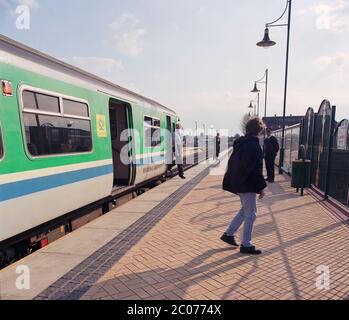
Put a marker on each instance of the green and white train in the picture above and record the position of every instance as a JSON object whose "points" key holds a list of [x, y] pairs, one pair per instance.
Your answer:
{"points": [[60, 141]]}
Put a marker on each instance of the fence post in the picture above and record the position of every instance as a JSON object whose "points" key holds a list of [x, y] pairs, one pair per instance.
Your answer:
{"points": [[329, 160], [300, 142], [312, 149]]}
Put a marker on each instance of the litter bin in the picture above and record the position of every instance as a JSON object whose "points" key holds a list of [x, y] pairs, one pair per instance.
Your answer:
{"points": [[301, 177]]}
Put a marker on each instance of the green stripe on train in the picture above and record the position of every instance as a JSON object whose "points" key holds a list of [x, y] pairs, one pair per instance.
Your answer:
{"points": [[16, 159]]}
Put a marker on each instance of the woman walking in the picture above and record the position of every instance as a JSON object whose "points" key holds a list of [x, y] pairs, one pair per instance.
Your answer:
{"points": [[244, 177]]}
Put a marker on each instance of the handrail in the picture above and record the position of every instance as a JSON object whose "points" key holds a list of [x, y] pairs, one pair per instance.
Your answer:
{"points": [[290, 127]]}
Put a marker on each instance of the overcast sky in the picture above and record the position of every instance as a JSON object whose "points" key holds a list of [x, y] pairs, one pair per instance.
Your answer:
{"points": [[198, 57]]}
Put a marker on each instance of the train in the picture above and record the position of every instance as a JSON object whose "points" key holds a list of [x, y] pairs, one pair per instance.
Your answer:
{"points": [[60, 144]]}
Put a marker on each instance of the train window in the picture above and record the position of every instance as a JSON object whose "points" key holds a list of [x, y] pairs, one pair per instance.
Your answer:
{"points": [[42, 102], [29, 101], [55, 133], [156, 137], [147, 137], [152, 132], [148, 121], [47, 103], [156, 133], [1, 146], [156, 123], [75, 108], [50, 135]]}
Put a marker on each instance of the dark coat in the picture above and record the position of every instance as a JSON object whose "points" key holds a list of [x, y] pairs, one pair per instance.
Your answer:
{"points": [[245, 167], [271, 147], [218, 145]]}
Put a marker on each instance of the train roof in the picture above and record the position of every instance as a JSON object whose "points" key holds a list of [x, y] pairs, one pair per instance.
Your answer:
{"points": [[15, 47]]}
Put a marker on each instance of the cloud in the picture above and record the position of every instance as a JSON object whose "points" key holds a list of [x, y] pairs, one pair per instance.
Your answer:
{"points": [[103, 67], [338, 61], [330, 15], [128, 35]]}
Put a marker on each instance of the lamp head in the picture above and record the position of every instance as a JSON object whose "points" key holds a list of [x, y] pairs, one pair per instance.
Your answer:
{"points": [[266, 42], [250, 106], [255, 89]]}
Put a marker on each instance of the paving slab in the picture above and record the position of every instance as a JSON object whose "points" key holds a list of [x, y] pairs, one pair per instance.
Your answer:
{"points": [[41, 266], [117, 221], [81, 242]]}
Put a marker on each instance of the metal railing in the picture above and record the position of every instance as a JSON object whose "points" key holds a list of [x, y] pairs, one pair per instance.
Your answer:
{"points": [[326, 146]]}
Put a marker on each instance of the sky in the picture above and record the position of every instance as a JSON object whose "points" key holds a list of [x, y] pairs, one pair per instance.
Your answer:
{"points": [[198, 57]]}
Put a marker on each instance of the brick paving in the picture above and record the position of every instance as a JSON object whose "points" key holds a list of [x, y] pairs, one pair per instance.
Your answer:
{"points": [[76, 282], [181, 256]]}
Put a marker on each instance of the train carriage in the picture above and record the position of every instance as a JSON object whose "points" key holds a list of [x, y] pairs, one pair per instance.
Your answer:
{"points": [[62, 136]]}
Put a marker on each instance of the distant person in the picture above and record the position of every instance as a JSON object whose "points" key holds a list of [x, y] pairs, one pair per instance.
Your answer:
{"points": [[178, 141], [217, 145], [244, 177], [271, 148]]}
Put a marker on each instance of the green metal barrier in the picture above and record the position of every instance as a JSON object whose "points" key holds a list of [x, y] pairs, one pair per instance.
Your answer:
{"points": [[301, 177]]}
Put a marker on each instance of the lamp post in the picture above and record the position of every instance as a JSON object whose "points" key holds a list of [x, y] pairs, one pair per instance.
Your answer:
{"points": [[266, 43], [251, 108], [264, 80], [255, 90]]}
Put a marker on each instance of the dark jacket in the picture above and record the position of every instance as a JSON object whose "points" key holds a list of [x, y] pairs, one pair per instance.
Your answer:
{"points": [[218, 144], [245, 167], [271, 147]]}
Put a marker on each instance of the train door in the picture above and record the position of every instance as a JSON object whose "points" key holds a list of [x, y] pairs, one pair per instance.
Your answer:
{"points": [[120, 123]]}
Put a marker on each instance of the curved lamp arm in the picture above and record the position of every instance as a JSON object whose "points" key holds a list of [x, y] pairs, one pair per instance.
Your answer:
{"points": [[264, 76], [272, 24]]}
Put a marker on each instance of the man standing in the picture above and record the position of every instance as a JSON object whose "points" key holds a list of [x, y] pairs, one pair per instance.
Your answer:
{"points": [[178, 140], [244, 177], [217, 146], [271, 148]]}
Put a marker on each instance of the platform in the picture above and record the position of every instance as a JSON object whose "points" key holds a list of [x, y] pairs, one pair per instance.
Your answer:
{"points": [[165, 245]]}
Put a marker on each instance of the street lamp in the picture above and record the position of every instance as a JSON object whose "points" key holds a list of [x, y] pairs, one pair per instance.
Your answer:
{"points": [[256, 90], [266, 43], [252, 109]]}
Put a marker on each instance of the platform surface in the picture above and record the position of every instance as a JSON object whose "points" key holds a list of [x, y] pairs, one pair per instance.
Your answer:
{"points": [[183, 258], [167, 246], [56, 263]]}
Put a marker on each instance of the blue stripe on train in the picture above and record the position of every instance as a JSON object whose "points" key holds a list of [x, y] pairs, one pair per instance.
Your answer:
{"points": [[26, 187]]}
